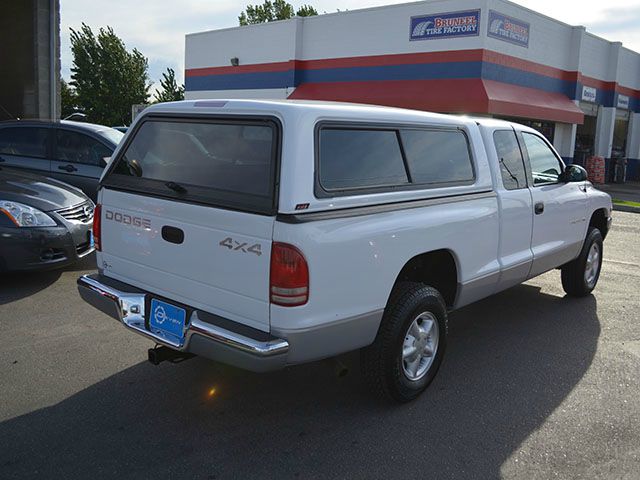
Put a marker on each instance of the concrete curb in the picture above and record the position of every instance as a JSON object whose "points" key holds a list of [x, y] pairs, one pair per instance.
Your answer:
{"points": [[626, 208]]}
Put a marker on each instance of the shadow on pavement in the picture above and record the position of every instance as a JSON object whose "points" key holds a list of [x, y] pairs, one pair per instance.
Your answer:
{"points": [[512, 359], [17, 285]]}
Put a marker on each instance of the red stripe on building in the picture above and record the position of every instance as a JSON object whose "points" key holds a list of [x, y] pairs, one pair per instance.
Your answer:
{"points": [[252, 68], [475, 55], [394, 59], [595, 83], [630, 92], [528, 66]]}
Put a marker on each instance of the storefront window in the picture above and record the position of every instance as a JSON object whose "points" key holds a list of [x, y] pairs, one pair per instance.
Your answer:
{"points": [[619, 145], [585, 140]]}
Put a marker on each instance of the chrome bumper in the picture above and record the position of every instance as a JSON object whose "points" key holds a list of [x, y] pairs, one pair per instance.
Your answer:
{"points": [[126, 304]]}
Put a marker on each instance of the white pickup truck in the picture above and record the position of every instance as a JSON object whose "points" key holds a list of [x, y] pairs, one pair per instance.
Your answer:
{"points": [[269, 233]]}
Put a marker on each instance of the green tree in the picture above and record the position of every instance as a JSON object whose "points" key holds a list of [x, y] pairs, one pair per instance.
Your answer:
{"points": [[306, 11], [107, 78], [68, 99], [272, 11], [170, 91]]}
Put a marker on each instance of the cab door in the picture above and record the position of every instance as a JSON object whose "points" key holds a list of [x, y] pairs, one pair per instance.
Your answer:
{"points": [[516, 210], [78, 159], [560, 209]]}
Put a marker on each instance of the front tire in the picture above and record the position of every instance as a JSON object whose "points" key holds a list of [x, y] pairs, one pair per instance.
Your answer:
{"points": [[580, 276], [410, 345]]}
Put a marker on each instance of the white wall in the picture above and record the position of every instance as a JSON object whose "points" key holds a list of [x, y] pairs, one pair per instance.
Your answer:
{"points": [[564, 139], [549, 39], [629, 68], [382, 30], [385, 30], [262, 43], [595, 58], [604, 131]]}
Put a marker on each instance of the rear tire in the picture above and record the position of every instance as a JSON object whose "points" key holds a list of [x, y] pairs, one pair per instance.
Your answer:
{"points": [[410, 345], [580, 276]]}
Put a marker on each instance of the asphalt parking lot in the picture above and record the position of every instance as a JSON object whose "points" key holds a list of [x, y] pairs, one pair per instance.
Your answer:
{"points": [[534, 385]]}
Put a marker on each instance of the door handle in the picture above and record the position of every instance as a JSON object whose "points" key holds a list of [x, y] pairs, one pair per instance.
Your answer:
{"points": [[539, 208], [172, 234], [68, 168]]}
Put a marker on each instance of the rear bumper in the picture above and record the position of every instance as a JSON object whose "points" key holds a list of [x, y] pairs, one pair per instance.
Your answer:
{"points": [[206, 335]]}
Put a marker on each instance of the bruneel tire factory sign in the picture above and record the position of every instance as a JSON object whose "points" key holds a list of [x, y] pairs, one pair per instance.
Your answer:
{"points": [[445, 25], [508, 29]]}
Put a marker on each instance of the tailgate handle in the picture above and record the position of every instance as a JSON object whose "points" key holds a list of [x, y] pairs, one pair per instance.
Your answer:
{"points": [[172, 234]]}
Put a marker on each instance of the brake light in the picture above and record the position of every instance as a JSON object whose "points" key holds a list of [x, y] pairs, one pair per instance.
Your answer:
{"points": [[96, 226], [289, 278]]}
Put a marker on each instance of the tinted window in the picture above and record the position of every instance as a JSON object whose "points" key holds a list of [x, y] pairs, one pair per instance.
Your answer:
{"points": [[76, 147], [224, 163], [437, 156], [510, 159], [545, 166], [24, 141], [351, 158]]}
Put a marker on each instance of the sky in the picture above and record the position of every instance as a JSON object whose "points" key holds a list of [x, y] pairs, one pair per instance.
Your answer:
{"points": [[157, 27]]}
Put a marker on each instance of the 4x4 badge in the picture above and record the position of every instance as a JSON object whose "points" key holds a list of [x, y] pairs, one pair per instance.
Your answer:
{"points": [[244, 247]]}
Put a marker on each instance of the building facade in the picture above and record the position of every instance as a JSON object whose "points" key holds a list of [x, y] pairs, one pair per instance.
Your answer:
{"points": [[482, 57], [30, 59]]}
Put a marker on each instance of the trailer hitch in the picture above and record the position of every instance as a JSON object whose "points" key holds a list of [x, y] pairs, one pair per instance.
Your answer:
{"points": [[160, 353]]}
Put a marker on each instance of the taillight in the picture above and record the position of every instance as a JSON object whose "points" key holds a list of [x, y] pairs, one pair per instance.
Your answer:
{"points": [[289, 284], [96, 226]]}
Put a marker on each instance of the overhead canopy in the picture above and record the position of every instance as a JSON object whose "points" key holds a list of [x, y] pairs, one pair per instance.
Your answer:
{"points": [[451, 95]]}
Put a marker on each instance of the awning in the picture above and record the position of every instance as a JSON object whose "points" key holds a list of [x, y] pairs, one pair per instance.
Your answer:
{"points": [[450, 96]]}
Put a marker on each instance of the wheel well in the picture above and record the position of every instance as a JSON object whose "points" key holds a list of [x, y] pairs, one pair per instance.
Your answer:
{"points": [[436, 269], [599, 220]]}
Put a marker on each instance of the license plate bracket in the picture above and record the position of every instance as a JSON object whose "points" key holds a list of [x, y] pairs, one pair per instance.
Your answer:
{"points": [[167, 320]]}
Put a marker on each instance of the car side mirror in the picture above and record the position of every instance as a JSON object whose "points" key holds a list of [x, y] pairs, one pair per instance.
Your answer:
{"points": [[104, 161], [574, 173]]}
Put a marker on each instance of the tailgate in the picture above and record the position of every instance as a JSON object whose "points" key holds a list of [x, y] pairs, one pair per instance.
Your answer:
{"points": [[192, 219]]}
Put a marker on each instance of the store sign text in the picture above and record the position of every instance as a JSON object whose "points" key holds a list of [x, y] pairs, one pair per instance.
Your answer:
{"points": [[589, 94], [508, 29], [623, 101], [445, 25]]}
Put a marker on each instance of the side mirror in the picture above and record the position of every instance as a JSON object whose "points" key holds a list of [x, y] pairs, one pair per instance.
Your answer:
{"points": [[104, 161], [134, 167], [574, 173]]}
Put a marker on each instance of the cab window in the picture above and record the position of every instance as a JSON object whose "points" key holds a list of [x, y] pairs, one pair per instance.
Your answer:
{"points": [[512, 169], [437, 156], [545, 166], [384, 159], [360, 158]]}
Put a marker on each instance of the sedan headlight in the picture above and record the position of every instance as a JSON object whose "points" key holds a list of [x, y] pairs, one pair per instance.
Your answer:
{"points": [[24, 215]]}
